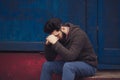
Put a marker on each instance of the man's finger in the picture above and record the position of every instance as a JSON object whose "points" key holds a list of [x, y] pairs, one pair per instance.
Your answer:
{"points": [[47, 42]]}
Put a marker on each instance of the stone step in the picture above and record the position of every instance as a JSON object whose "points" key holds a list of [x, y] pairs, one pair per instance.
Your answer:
{"points": [[104, 75], [100, 75]]}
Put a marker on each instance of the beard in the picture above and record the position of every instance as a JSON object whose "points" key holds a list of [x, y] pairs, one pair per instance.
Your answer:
{"points": [[63, 39]]}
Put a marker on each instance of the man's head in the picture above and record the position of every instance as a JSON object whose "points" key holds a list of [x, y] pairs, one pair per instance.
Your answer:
{"points": [[54, 26]]}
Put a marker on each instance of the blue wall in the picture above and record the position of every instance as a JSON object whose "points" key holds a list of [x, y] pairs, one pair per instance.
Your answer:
{"points": [[21, 22]]}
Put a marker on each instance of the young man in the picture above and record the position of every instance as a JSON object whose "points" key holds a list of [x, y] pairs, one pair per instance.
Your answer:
{"points": [[68, 51]]}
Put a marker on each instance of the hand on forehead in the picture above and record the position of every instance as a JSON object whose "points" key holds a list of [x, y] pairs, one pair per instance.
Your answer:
{"points": [[55, 32]]}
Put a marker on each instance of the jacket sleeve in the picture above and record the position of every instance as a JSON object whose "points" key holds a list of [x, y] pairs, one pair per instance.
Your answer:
{"points": [[50, 54], [71, 53]]}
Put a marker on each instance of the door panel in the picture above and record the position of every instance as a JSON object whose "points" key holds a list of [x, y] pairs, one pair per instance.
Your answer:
{"points": [[109, 34], [92, 25]]}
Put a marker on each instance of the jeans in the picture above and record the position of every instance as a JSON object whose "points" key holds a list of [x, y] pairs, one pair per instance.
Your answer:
{"points": [[68, 70]]}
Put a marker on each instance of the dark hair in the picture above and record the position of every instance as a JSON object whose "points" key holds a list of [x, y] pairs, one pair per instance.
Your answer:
{"points": [[52, 24]]}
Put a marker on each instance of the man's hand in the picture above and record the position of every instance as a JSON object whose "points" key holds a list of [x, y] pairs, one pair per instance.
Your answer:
{"points": [[51, 39]]}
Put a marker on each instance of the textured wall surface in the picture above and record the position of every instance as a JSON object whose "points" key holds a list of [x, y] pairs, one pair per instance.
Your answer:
{"points": [[24, 20], [21, 66]]}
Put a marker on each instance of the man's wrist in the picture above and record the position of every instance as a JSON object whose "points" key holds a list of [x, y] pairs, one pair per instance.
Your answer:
{"points": [[54, 42]]}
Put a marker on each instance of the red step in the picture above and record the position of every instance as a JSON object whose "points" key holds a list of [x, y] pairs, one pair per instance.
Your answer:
{"points": [[27, 66]]}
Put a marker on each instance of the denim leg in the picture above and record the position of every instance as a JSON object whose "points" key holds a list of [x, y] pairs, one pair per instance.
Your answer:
{"points": [[49, 68], [71, 69]]}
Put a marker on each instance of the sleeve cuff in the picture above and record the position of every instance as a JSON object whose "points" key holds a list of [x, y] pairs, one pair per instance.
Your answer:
{"points": [[56, 45]]}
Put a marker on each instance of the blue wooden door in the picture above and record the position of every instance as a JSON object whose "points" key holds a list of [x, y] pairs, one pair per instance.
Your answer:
{"points": [[109, 34]]}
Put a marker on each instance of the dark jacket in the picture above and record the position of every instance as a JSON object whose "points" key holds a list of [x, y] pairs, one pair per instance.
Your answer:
{"points": [[76, 48]]}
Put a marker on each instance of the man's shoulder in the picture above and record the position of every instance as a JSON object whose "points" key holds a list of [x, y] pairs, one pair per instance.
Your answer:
{"points": [[77, 30]]}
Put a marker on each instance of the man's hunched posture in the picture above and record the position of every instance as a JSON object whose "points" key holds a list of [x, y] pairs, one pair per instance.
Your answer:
{"points": [[68, 51]]}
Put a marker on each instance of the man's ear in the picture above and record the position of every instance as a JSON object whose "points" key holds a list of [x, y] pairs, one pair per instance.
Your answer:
{"points": [[62, 28]]}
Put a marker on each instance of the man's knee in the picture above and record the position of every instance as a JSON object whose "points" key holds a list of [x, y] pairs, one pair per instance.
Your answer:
{"points": [[68, 66], [47, 65]]}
